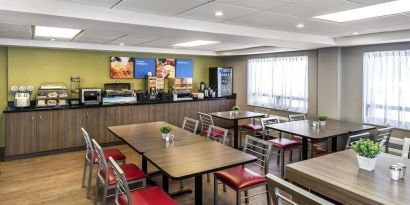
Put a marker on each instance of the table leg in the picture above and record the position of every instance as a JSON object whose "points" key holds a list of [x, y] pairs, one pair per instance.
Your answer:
{"points": [[235, 134], [144, 165], [198, 190], [304, 148], [165, 181], [334, 144]]}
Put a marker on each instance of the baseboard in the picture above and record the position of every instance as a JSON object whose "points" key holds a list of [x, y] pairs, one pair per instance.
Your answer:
{"points": [[51, 152]]}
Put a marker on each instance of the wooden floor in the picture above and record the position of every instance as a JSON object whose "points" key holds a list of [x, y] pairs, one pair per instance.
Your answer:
{"points": [[56, 179]]}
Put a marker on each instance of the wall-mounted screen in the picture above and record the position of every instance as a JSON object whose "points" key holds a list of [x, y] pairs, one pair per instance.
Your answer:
{"points": [[184, 68], [165, 68], [143, 66], [122, 67]]}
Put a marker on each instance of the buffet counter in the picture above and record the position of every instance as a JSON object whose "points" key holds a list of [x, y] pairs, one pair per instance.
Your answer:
{"points": [[34, 130]]}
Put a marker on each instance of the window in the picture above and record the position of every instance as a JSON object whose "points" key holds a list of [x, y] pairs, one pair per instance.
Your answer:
{"points": [[386, 88], [279, 83]]}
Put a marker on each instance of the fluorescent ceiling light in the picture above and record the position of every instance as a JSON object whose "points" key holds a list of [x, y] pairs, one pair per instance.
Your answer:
{"points": [[53, 32], [194, 43], [384, 9]]}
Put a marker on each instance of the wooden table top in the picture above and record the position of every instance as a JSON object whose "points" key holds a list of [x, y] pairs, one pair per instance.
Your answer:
{"points": [[338, 176], [197, 159], [241, 115], [332, 128], [145, 137]]}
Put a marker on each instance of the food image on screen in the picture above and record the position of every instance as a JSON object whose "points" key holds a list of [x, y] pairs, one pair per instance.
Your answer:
{"points": [[165, 68], [122, 67]]}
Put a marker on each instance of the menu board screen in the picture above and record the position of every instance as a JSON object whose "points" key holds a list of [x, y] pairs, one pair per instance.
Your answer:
{"points": [[143, 66], [165, 68], [122, 67]]}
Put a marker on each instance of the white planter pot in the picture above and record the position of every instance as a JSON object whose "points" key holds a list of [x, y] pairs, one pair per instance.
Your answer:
{"points": [[165, 136], [322, 123], [368, 164], [235, 112]]}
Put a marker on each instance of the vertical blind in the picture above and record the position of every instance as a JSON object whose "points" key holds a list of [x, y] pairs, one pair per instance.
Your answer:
{"points": [[386, 88], [279, 83]]}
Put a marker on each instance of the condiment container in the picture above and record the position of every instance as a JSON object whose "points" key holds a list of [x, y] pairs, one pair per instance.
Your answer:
{"points": [[403, 170], [395, 172]]}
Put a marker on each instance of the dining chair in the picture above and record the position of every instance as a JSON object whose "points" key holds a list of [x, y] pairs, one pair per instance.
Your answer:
{"points": [[91, 158], [105, 175], [255, 126], [242, 179], [147, 196], [311, 142], [383, 137], [406, 148], [283, 192], [218, 134], [266, 132], [190, 124], [206, 121], [282, 145], [354, 138]]}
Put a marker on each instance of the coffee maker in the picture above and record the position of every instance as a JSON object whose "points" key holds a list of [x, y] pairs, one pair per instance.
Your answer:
{"points": [[22, 95]]}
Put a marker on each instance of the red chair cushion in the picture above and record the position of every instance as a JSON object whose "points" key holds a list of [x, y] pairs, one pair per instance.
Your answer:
{"points": [[114, 153], [131, 172], [284, 143], [240, 177], [148, 196], [252, 127], [217, 133]]}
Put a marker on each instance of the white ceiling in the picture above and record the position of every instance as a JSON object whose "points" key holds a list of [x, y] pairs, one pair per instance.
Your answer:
{"points": [[267, 24]]}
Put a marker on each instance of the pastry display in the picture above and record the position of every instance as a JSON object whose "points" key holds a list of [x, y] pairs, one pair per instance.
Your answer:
{"points": [[62, 102], [41, 103], [52, 94], [62, 95], [51, 102]]}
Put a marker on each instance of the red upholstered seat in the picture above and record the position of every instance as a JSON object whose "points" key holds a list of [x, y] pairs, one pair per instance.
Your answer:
{"points": [[253, 127], [114, 153], [240, 177], [284, 143], [217, 133], [148, 196], [131, 172]]}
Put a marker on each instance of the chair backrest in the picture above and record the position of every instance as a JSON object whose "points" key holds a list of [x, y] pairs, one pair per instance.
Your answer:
{"points": [[268, 121], [406, 148], [263, 110], [190, 124], [383, 136], [122, 189], [297, 117], [260, 149], [355, 138], [102, 164], [89, 154], [218, 134], [206, 120], [293, 195]]}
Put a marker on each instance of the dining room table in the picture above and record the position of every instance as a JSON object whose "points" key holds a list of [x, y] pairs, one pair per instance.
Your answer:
{"points": [[235, 117], [195, 160], [333, 129], [338, 177]]}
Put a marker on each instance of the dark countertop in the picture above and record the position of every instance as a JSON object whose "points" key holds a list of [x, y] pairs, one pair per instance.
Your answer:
{"points": [[33, 108]]}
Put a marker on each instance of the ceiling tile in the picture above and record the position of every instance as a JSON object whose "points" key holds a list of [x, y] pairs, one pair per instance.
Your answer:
{"points": [[380, 21], [399, 27], [167, 7], [102, 3], [370, 2], [15, 34], [207, 12], [15, 27], [257, 4], [93, 36], [310, 8]]}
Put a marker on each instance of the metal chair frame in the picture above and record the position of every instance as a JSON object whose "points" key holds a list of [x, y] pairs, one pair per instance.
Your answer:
{"points": [[190, 125], [383, 137], [215, 136], [355, 138], [252, 144], [406, 148], [269, 132], [121, 185], [206, 120], [277, 186], [262, 110], [297, 117], [103, 180]]}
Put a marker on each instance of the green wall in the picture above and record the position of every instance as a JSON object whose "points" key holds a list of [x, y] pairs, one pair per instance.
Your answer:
{"points": [[3, 90], [33, 66]]}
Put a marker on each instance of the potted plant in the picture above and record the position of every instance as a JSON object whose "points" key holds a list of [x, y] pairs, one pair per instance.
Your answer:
{"points": [[235, 109], [322, 120], [367, 153], [165, 130]]}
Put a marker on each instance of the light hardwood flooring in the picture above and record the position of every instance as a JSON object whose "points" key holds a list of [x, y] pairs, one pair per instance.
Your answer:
{"points": [[56, 179]]}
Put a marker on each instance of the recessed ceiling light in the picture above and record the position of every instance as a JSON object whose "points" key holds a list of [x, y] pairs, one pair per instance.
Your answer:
{"points": [[376, 10], [52, 39], [121, 44], [195, 43], [355, 33], [219, 13], [44, 31], [300, 25]]}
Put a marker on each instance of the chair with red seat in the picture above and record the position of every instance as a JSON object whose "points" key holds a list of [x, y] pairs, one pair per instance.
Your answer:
{"points": [[148, 196], [242, 179], [105, 175], [206, 120], [190, 125], [218, 134], [256, 126], [282, 145], [266, 132], [91, 158], [311, 142]]}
